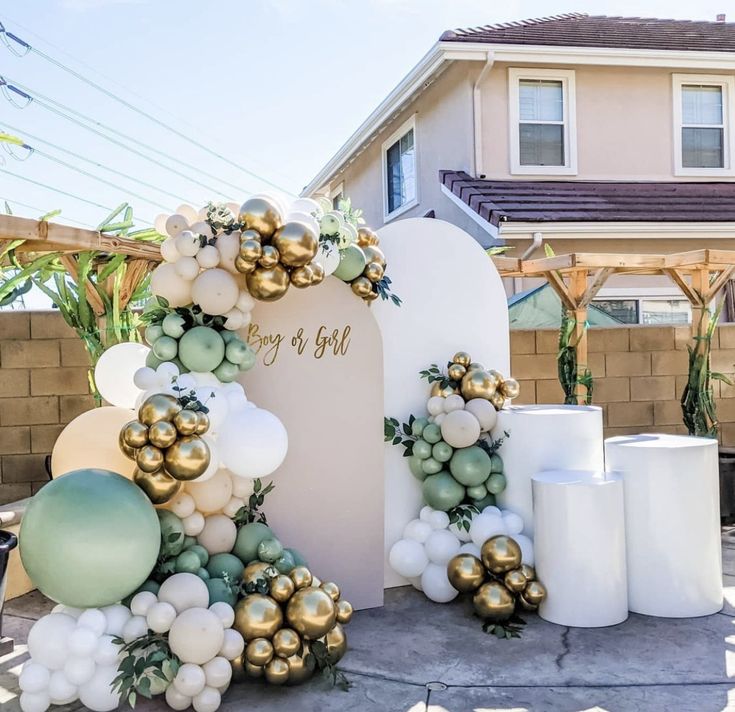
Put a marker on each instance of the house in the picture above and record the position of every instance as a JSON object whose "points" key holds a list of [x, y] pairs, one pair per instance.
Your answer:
{"points": [[590, 133]]}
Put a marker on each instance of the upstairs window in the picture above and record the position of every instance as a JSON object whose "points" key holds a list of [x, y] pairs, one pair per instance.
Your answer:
{"points": [[399, 170]]}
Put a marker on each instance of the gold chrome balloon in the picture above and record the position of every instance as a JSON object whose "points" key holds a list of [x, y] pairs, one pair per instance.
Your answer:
{"points": [[282, 588], [257, 616], [456, 372], [187, 458], [474, 366], [317, 273], [257, 570], [276, 671], [510, 388], [374, 254], [158, 486], [366, 237], [535, 592], [332, 589], [259, 651], [301, 576], [160, 406], [498, 400], [301, 665], [493, 602], [302, 277], [270, 257], [462, 358], [253, 670], [336, 642], [202, 422], [374, 272], [477, 384], [186, 421], [297, 243], [267, 285], [149, 458], [362, 286], [344, 612], [127, 450], [238, 669], [515, 581], [243, 266], [311, 612], [251, 250], [261, 215], [438, 390], [250, 235], [162, 434], [134, 434], [286, 642], [465, 572], [526, 605], [500, 554], [528, 571]]}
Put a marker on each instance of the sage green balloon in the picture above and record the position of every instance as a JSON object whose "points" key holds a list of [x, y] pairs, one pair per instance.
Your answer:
{"points": [[352, 262], [236, 350], [89, 538], [187, 562], [270, 550], [248, 540], [221, 564], [173, 325], [249, 361], [496, 463], [173, 539], [226, 371], [431, 466], [152, 361], [189, 541], [166, 348], [442, 491], [487, 501], [442, 451], [152, 333], [298, 557], [203, 574], [201, 349], [220, 591], [201, 552], [285, 563], [495, 483], [477, 492], [418, 425], [414, 464], [432, 433], [470, 465], [421, 449]]}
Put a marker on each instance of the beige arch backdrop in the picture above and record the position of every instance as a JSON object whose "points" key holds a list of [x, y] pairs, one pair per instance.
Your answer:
{"points": [[453, 300], [320, 370]]}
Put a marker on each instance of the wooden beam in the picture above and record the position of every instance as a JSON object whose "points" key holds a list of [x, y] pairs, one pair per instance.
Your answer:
{"points": [[598, 280], [718, 283], [578, 288], [680, 282], [557, 283], [94, 299]]}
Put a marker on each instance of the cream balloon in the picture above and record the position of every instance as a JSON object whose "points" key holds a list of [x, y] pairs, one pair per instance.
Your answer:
{"points": [[484, 411], [184, 591], [218, 535], [460, 429], [115, 371], [169, 251], [196, 636], [212, 494], [187, 267], [175, 224], [91, 440], [215, 291], [252, 443], [166, 283], [228, 247], [328, 257], [188, 212]]}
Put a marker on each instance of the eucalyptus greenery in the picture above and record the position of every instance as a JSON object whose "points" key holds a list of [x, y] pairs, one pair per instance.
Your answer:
{"points": [[251, 511], [506, 630], [318, 657]]}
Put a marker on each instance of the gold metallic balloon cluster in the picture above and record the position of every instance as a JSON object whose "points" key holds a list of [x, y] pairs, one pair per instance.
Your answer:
{"points": [[473, 380], [275, 254], [363, 286], [499, 581], [280, 627], [166, 445]]}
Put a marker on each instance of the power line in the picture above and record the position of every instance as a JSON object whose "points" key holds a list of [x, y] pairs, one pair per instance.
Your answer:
{"points": [[41, 211]]}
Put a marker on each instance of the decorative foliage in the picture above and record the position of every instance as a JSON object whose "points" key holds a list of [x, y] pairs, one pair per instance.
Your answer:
{"points": [[251, 511]]}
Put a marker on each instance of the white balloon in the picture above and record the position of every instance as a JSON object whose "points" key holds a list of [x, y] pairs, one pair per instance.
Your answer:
{"points": [[435, 584], [193, 524], [245, 302], [460, 532], [190, 679], [167, 372], [60, 690], [34, 701], [187, 268], [452, 402], [213, 458], [196, 635], [145, 378], [188, 213], [225, 612], [425, 513], [408, 558], [233, 507], [106, 652], [307, 205], [182, 505], [460, 428], [201, 227], [175, 700], [116, 617], [218, 672], [160, 617], [513, 523], [439, 419], [215, 399], [492, 509], [205, 378], [485, 526], [218, 535], [34, 677], [141, 602], [439, 520], [417, 530], [208, 700], [242, 487], [310, 220], [184, 591], [166, 283], [187, 243], [435, 405], [212, 494], [234, 319], [186, 381], [328, 257], [215, 291], [48, 640], [79, 670], [236, 402], [415, 581], [83, 642], [470, 548], [233, 644], [97, 693], [169, 252], [175, 224], [136, 627], [68, 610], [484, 411], [526, 548], [441, 546], [159, 223], [228, 247], [253, 443]]}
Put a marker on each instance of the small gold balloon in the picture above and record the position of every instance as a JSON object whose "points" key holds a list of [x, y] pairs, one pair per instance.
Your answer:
{"points": [[528, 571], [160, 406], [238, 669], [465, 572], [438, 390], [250, 235], [253, 671], [186, 421], [301, 576], [257, 616], [301, 665], [158, 486], [282, 588], [510, 388], [477, 384], [127, 450], [526, 605], [374, 272], [344, 612], [336, 642], [370, 296], [515, 581], [297, 243], [317, 272], [535, 592], [134, 434], [257, 570], [259, 651], [243, 266], [456, 372], [493, 602], [365, 236], [163, 434], [267, 285], [500, 554], [332, 589], [261, 215], [286, 642], [270, 257], [499, 377], [475, 366], [276, 671], [374, 254], [251, 250], [302, 277], [362, 286], [462, 358], [187, 458], [311, 612], [498, 400], [315, 581], [202, 422], [149, 458]]}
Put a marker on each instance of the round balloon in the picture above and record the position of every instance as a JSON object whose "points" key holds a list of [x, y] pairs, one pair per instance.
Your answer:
{"points": [[115, 371], [89, 538], [91, 440], [166, 283], [252, 443]]}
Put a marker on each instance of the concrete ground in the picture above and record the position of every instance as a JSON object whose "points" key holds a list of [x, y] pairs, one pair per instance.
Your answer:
{"points": [[416, 656]]}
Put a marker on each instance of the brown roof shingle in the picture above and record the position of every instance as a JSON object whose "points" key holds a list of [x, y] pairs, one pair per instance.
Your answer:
{"points": [[592, 201], [582, 30]]}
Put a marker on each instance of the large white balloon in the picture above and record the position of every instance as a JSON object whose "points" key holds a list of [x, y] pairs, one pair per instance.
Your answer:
{"points": [[166, 283], [48, 640], [215, 291], [91, 440], [253, 443], [435, 584], [408, 558], [460, 428], [441, 546], [184, 591], [196, 635], [486, 525], [97, 693], [114, 373]]}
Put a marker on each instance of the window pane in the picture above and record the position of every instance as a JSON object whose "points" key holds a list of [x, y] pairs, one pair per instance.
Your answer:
{"points": [[541, 100], [701, 104], [665, 311], [626, 310], [542, 144], [401, 172], [702, 148]]}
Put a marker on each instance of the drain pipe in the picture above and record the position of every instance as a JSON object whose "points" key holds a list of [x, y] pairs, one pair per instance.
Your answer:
{"points": [[538, 238], [479, 171]]}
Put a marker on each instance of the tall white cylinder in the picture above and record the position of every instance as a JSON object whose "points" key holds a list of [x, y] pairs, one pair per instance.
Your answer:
{"points": [[672, 519], [580, 547], [545, 437]]}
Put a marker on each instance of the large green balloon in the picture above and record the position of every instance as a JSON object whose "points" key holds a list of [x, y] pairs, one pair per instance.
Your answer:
{"points": [[352, 262], [201, 349], [442, 491], [470, 465], [89, 538], [248, 539], [221, 564]]}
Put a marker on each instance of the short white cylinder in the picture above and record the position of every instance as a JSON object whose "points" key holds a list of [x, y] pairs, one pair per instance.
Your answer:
{"points": [[545, 437], [672, 519], [580, 547]]}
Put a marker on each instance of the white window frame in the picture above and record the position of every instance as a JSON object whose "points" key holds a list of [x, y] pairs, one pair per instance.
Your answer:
{"points": [[403, 129], [566, 77], [334, 192], [727, 83]]}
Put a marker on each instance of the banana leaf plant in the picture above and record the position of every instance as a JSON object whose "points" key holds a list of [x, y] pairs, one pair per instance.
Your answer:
{"points": [[95, 291]]}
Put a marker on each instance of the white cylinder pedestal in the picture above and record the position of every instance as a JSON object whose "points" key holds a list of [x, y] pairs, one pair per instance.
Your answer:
{"points": [[545, 437], [672, 519], [580, 547]]}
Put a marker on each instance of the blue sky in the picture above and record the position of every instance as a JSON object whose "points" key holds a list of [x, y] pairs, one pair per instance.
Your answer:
{"points": [[276, 85]]}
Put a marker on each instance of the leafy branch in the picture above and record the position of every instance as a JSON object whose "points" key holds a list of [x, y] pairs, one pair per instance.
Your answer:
{"points": [[250, 512], [318, 656], [512, 628], [462, 515], [400, 434], [492, 446]]}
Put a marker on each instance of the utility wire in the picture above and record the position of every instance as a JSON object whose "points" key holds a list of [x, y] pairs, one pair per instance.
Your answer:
{"points": [[40, 211]]}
